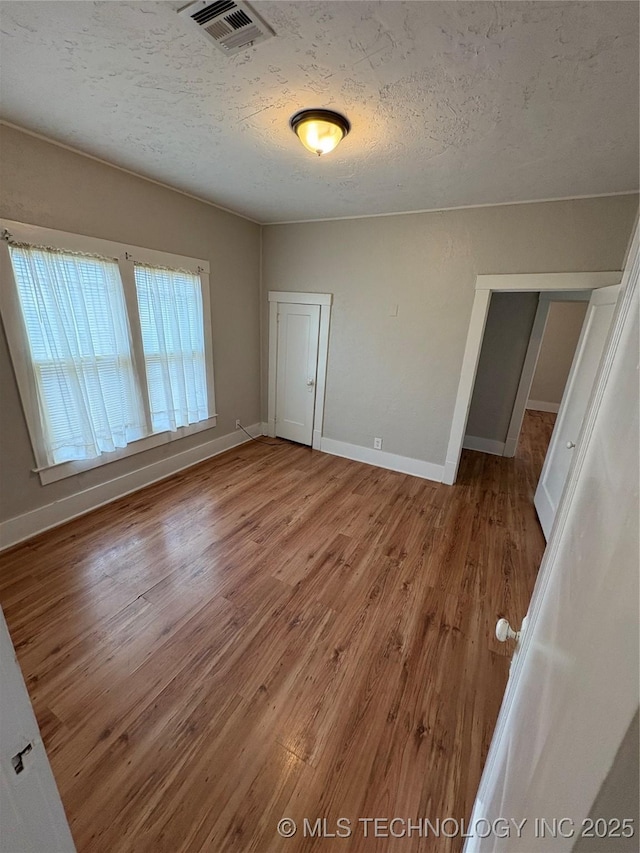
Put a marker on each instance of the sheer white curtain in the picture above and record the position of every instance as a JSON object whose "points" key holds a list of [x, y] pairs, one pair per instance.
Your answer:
{"points": [[76, 323], [171, 322]]}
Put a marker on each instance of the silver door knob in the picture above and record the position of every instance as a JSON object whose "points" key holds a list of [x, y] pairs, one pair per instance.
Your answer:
{"points": [[310, 382], [571, 445]]}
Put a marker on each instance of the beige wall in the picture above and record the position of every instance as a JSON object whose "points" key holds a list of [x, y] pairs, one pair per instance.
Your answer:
{"points": [[43, 184], [504, 347], [397, 377], [561, 333], [392, 376]]}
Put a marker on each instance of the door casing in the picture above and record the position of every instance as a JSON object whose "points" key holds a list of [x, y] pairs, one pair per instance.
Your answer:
{"points": [[485, 286]]}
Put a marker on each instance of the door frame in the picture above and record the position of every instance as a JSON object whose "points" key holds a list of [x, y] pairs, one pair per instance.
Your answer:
{"points": [[324, 301], [485, 286]]}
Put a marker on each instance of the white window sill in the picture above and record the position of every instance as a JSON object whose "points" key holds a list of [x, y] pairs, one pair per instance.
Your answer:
{"points": [[70, 469]]}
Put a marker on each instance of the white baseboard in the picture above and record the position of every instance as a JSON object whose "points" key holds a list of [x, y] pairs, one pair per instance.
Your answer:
{"points": [[510, 447], [449, 472], [29, 524], [541, 406], [382, 459], [484, 445]]}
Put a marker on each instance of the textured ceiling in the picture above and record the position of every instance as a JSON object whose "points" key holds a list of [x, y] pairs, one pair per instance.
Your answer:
{"points": [[451, 103]]}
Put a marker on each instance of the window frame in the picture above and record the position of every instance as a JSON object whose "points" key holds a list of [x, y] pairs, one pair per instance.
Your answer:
{"points": [[126, 255]]}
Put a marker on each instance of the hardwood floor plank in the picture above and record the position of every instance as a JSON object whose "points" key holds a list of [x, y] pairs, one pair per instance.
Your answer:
{"points": [[276, 632]]}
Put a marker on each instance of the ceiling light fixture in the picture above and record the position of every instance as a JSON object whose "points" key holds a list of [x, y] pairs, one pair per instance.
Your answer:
{"points": [[319, 130]]}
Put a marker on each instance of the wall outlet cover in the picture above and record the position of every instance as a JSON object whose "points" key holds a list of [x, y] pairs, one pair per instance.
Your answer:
{"points": [[377, 444]]}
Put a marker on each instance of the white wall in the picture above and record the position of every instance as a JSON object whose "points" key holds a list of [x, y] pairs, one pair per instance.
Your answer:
{"points": [[397, 376], [561, 333]]}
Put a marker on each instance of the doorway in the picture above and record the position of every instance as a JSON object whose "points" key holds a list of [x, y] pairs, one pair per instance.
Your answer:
{"points": [[486, 285], [559, 342], [543, 389], [298, 351], [574, 403], [527, 350]]}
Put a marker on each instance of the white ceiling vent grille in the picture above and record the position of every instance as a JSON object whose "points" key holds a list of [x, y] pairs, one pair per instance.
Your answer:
{"points": [[230, 24]]}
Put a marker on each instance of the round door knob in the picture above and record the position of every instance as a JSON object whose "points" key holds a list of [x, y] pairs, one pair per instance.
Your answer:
{"points": [[310, 382], [571, 445], [505, 632]]}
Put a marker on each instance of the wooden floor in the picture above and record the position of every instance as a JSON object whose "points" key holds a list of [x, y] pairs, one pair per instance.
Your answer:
{"points": [[276, 633]]}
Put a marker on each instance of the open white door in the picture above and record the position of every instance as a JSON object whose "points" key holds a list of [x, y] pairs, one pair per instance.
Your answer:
{"points": [[296, 368], [574, 404], [574, 686], [32, 819]]}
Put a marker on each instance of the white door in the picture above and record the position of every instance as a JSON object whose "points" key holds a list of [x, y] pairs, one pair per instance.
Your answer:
{"points": [[574, 404], [296, 368], [574, 686], [32, 819]]}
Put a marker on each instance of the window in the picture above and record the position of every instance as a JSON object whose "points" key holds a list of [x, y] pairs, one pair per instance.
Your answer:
{"points": [[170, 307], [111, 346], [76, 323]]}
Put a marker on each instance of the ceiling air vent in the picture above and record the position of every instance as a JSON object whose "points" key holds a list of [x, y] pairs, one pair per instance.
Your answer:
{"points": [[230, 24]]}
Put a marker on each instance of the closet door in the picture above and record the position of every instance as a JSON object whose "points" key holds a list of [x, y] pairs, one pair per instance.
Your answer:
{"points": [[296, 369]]}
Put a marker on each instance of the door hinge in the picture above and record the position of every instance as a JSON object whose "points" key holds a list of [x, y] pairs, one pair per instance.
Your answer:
{"points": [[17, 760]]}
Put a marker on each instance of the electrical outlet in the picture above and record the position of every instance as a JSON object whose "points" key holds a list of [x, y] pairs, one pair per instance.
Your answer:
{"points": [[237, 423], [377, 444]]}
